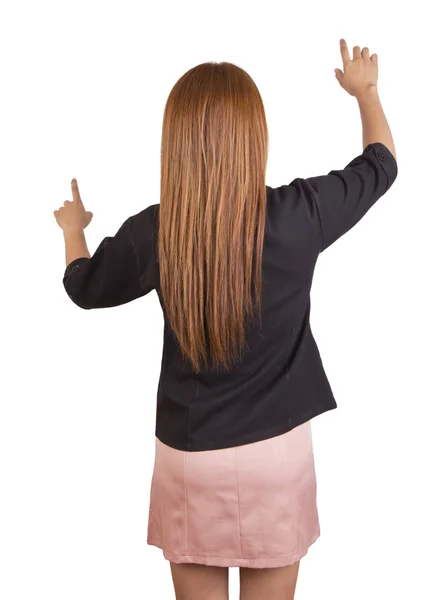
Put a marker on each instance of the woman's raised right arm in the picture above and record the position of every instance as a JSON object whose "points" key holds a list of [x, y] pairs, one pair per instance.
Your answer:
{"points": [[360, 79]]}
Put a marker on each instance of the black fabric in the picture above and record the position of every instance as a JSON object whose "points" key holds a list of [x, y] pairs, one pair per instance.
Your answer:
{"points": [[281, 382]]}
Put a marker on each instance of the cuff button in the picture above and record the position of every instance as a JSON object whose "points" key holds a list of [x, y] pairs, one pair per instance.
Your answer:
{"points": [[381, 156]]}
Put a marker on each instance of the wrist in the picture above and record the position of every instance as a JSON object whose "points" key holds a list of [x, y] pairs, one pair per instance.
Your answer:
{"points": [[73, 231], [367, 94]]}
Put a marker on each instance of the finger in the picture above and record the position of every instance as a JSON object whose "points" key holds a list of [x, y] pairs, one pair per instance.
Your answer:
{"points": [[365, 53], [344, 52], [75, 192], [89, 215], [356, 52], [374, 58], [339, 75], [67, 202]]}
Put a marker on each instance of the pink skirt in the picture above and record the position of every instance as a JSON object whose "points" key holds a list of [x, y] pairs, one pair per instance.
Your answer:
{"points": [[246, 506]]}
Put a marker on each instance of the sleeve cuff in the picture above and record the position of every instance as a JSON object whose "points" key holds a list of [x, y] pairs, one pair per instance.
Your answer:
{"points": [[385, 158], [75, 264]]}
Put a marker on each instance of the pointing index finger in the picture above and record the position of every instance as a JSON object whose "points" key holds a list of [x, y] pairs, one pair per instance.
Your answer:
{"points": [[75, 192], [344, 52]]}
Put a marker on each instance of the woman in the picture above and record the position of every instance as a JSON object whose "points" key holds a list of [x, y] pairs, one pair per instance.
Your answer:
{"points": [[232, 262]]}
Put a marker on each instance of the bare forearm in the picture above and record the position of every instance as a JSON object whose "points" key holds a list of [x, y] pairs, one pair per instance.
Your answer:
{"points": [[374, 122], [76, 245]]}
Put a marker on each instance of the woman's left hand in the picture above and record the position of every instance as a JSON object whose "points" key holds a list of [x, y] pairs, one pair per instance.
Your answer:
{"points": [[73, 216]]}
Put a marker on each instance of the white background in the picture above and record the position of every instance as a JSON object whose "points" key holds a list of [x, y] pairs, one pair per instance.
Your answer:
{"points": [[84, 86]]}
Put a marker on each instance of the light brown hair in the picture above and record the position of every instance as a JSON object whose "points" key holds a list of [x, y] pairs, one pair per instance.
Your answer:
{"points": [[212, 211]]}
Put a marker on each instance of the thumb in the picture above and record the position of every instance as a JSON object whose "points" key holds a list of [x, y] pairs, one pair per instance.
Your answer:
{"points": [[339, 75], [89, 215]]}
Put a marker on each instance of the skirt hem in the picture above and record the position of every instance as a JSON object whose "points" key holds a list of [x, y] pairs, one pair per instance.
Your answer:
{"points": [[218, 561]]}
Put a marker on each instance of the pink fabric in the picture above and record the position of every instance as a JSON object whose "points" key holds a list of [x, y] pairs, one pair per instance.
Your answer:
{"points": [[247, 506]]}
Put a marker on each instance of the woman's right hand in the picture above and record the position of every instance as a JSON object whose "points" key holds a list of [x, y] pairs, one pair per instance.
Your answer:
{"points": [[360, 74]]}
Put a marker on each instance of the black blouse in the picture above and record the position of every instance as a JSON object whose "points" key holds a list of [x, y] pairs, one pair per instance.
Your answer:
{"points": [[281, 382]]}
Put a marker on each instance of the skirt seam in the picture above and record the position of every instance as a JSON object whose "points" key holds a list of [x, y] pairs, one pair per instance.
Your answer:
{"points": [[186, 501], [238, 504]]}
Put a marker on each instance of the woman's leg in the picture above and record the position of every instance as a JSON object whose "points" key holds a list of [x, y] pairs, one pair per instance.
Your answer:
{"points": [[199, 582], [269, 584]]}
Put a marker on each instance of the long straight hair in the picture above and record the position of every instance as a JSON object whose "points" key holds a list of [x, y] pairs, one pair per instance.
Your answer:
{"points": [[212, 211]]}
